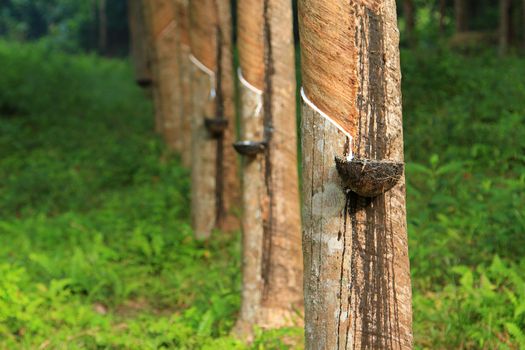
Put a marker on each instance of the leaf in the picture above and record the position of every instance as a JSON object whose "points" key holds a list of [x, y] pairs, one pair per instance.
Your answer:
{"points": [[515, 331], [415, 168], [453, 167], [205, 324]]}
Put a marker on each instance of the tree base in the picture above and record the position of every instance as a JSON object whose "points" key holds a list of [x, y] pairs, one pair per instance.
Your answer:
{"points": [[267, 319]]}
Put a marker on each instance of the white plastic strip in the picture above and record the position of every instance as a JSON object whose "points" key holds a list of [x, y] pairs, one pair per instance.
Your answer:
{"points": [[247, 83], [206, 70], [253, 89], [327, 117]]}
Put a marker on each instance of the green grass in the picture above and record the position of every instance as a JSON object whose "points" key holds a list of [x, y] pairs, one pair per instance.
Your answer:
{"points": [[465, 147], [95, 247], [96, 251]]}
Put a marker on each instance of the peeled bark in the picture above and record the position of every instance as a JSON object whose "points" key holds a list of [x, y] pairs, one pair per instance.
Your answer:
{"points": [[166, 71], [184, 81], [504, 26], [215, 182], [357, 277], [140, 53], [272, 258], [460, 9]]}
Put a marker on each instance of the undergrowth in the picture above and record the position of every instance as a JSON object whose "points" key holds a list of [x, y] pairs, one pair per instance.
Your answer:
{"points": [[96, 251]]}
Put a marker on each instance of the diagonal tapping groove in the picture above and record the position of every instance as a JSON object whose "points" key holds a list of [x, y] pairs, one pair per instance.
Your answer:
{"points": [[349, 137]]}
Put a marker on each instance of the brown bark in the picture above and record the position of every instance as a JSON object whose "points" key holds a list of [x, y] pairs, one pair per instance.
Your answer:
{"points": [[215, 183], [460, 9], [357, 278], [102, 27], [166, 71], [442, 14], [504, 26], [272, 258], [140, 53], [408, 11], [147, 6], [184, 82]]}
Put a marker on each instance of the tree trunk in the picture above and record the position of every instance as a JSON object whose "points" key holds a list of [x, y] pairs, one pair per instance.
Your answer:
{"points": [[166, 70], [215, 183], [357, 277], [442, 14], [140, 54], [272, 259], [504, 26], [523, 23], [102, 27], [460, 10], [408, 11], [184, 84], [148, 19]]}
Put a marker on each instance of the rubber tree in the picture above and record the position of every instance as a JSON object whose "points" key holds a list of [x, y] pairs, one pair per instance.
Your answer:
{"points": [[166, 71], [461, 15], [410, 19], [504, 26], [102, 26], [357, 277], [184, 82], [442, 15], [139, 43], [214, 172], [272, 294]]}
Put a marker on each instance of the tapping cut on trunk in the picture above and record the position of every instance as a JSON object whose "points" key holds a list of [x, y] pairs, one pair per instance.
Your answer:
{"points": [[357, 278], [272, 257], [215, 184]]}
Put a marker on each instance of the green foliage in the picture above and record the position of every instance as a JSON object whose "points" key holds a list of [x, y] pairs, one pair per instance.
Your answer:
{"points": [[66, 25], [465, 142], [484, 310], [95, 247]]}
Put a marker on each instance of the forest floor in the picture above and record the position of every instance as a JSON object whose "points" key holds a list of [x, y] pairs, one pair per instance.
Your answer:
{"points": [[96, 251]]}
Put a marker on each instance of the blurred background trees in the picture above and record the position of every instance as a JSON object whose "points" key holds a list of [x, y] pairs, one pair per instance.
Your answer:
{"points": [[69, 25], [101, 26], [95, 240]]}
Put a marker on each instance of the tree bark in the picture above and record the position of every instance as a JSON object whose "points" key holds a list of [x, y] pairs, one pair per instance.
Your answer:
{"points": [[148, 19], [523, 22], [272, 257], [357, 277], [215, 183], [140, 53], [166, 70], [102, 27], [460, 10], [184, 83], [504, 26], [442, 15], [408, 11]]}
